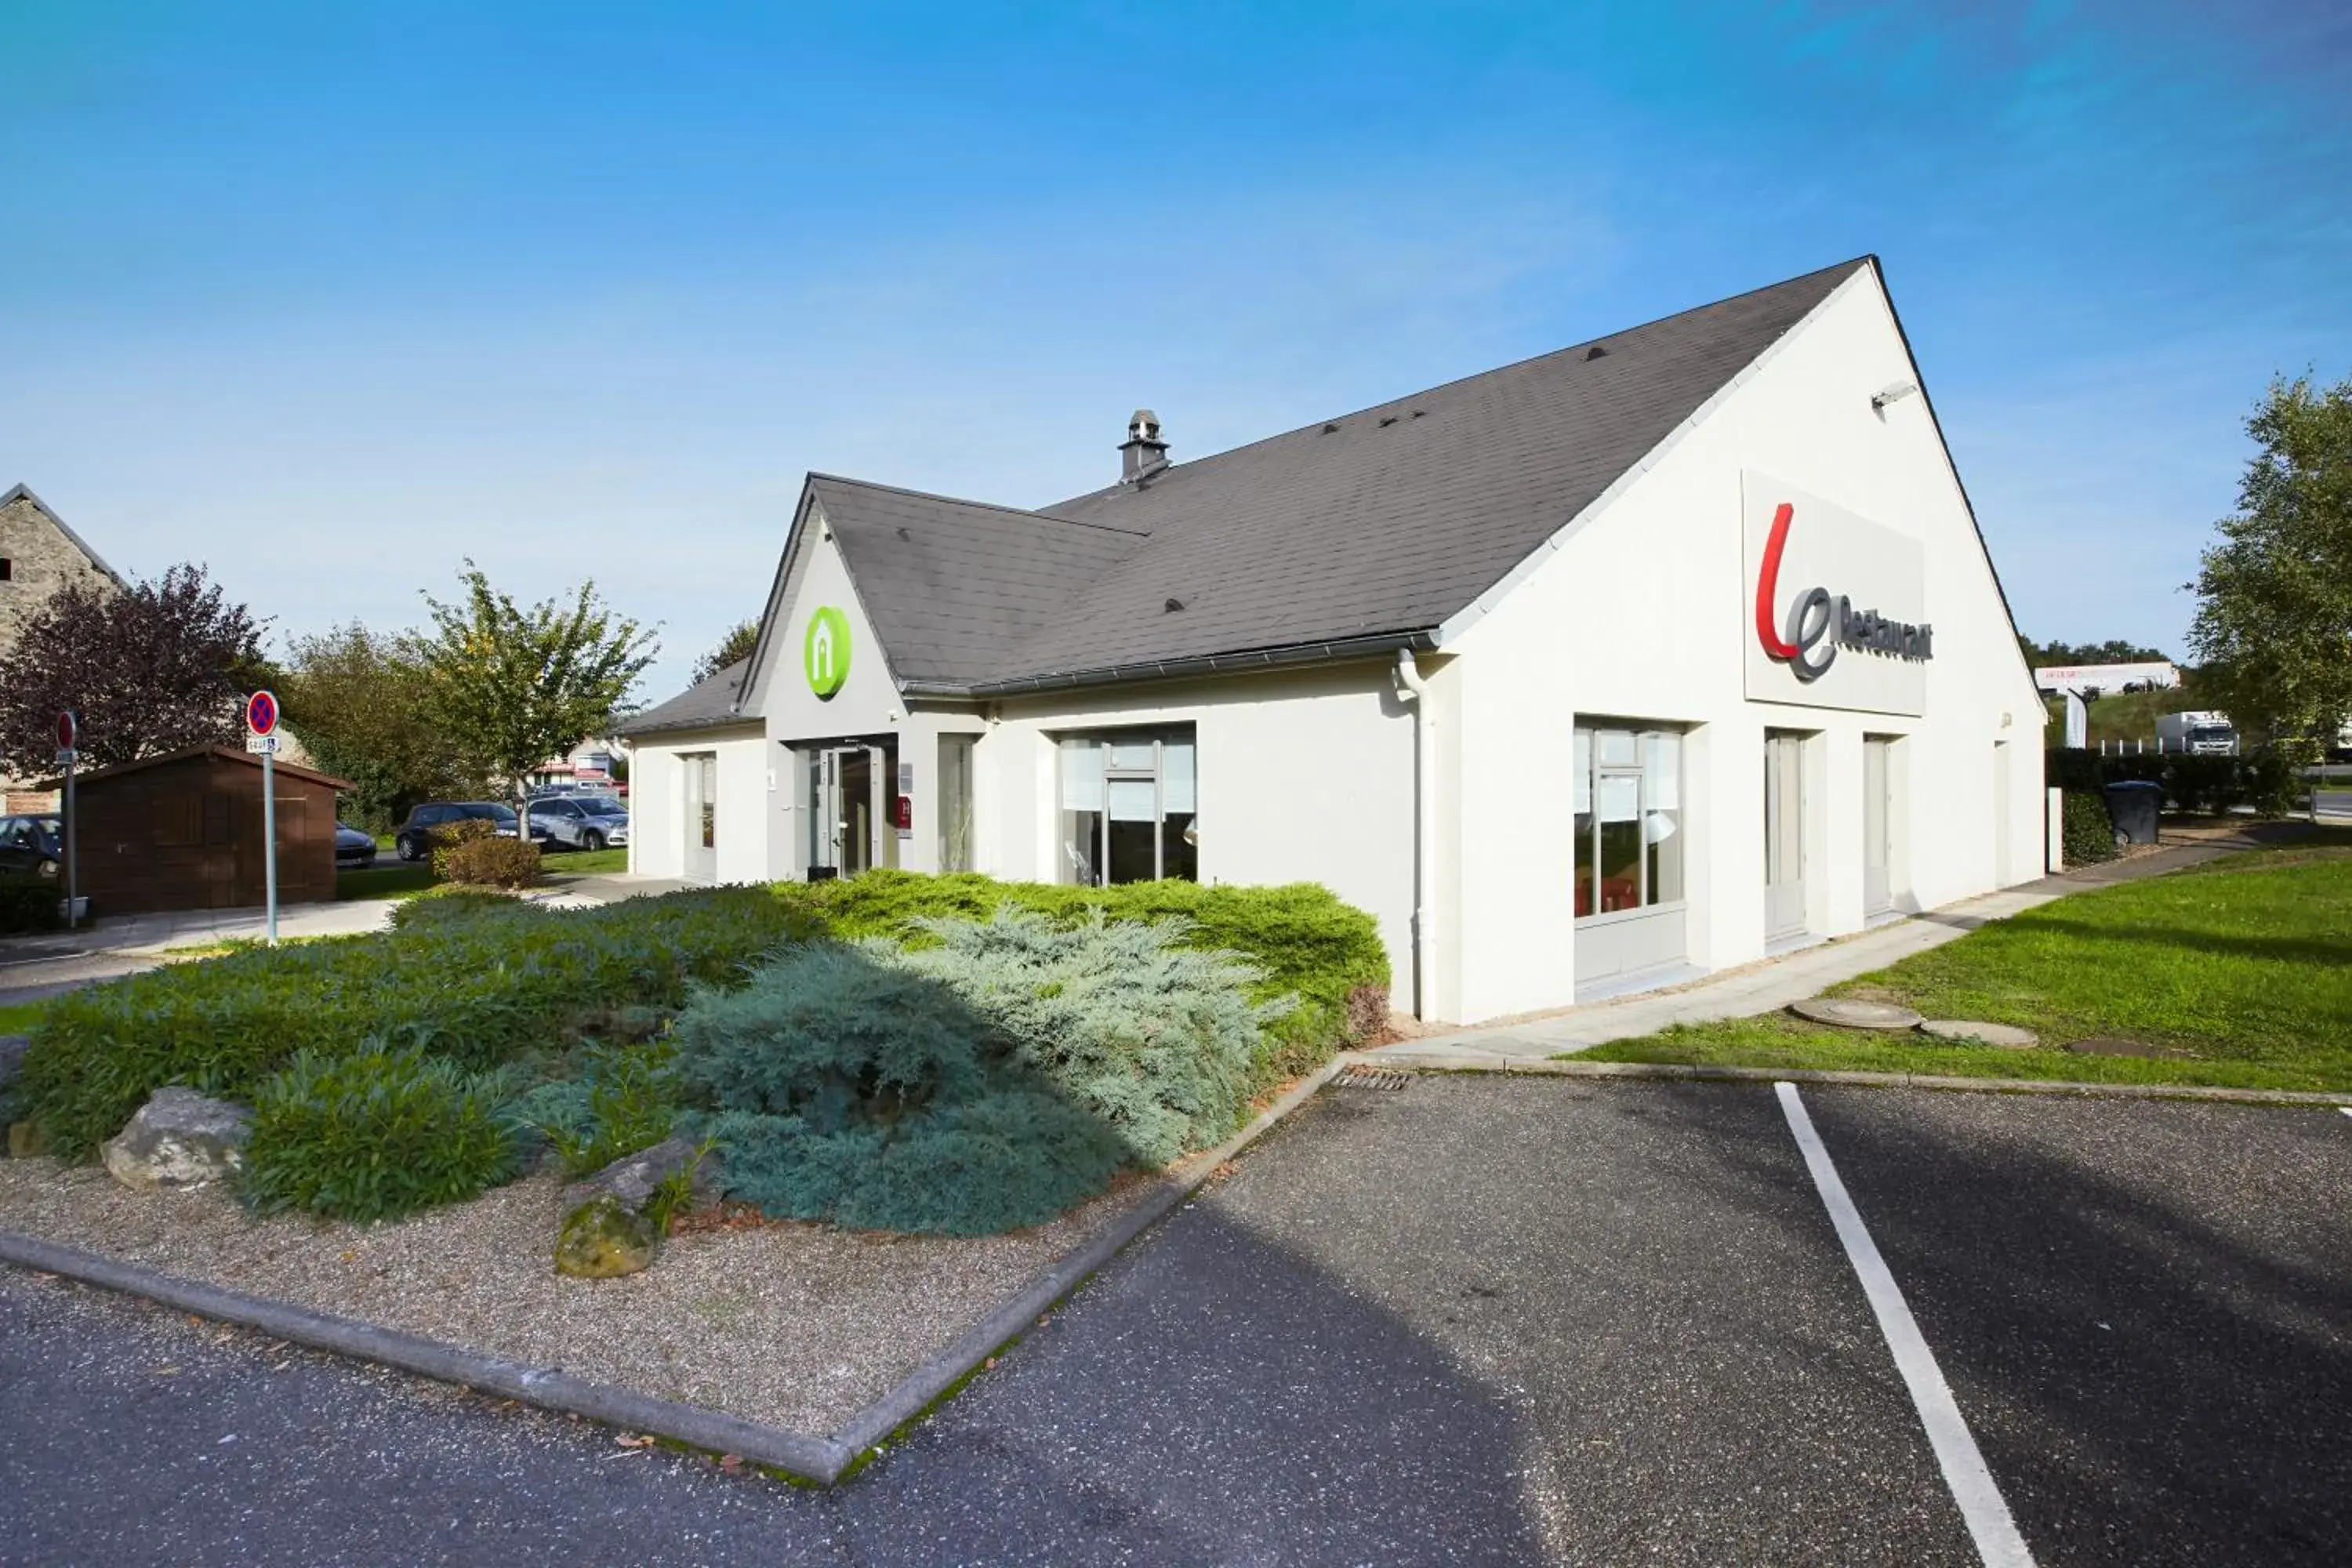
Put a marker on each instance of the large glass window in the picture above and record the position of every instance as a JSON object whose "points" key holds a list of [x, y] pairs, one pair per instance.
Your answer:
{"points": [[1629, 818], [1128, 807]]}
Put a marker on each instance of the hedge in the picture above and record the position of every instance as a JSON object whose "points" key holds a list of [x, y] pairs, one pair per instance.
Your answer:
{"points": [[478, 991], [28, 903], [2198, 784], [1304, 942], [2089, 831]]}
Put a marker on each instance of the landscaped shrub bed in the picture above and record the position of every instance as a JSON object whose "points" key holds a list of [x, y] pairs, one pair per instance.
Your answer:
{"points": [[28, 903], [1302, 940], [480, 991], [842, 1086], [374, 1134]]}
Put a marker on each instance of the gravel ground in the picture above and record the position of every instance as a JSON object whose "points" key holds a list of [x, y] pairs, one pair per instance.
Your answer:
{"points": [[798, 1326]]}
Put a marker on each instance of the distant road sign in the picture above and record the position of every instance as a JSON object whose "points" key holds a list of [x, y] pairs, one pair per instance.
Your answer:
{"points": [[69, 731], [261, 713], [261, 745], [65, 755]]}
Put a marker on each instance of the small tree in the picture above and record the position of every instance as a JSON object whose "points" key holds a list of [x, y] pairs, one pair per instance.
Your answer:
{"points": [[152, 668], [733, 648], [363, 704], [2274, 615], [511, 688]]}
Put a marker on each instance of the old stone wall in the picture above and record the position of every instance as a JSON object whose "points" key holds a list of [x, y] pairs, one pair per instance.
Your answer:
{"points": [[40, 558]]}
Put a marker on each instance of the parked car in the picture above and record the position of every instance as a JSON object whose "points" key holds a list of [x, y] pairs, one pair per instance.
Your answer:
{"points": [[29, 844], [354, 851], [415, 839], [580, 821]]}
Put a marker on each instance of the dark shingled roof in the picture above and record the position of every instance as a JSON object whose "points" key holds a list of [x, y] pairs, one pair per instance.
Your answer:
{"points": [[698, 707], [1376, 525]]}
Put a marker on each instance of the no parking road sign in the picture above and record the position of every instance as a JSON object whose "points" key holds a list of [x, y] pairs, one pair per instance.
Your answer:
{"points": [[261, 722], [261, 735]]}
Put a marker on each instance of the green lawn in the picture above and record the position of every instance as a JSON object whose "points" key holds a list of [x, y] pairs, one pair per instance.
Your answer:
{"points": [[20, 1019], [2242, 970], [395, 880]]}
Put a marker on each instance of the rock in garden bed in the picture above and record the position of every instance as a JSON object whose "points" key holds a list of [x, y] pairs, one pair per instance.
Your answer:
{"points": [[179, 1139], [796, 1325]]}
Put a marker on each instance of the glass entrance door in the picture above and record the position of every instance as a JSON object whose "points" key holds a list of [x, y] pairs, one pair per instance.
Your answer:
{"points": [[848, 831], [1877, 885], [1784, 837]]}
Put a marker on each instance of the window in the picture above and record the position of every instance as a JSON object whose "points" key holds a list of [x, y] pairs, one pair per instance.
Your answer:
{"points": [[1128, 807], [955, 801], [1628, 804], [7, 569]]}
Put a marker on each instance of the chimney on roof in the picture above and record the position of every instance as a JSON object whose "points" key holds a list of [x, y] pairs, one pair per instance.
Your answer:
{"points": [[1143, 453]]}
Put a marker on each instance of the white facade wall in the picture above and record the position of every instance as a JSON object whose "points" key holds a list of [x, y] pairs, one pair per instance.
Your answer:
{"points": [[1643, 612], [658, 818]]}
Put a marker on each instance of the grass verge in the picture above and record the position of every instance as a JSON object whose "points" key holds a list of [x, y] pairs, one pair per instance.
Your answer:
{"points": [[402, 881], [2239, 973]]}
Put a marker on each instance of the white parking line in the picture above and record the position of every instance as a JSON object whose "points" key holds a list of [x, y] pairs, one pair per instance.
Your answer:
{"points": [[2347, 1110], [1999, 1545]]}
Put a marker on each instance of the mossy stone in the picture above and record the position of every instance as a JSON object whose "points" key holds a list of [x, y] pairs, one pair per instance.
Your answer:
{"points": [[25, 1140], [603, 1239]]}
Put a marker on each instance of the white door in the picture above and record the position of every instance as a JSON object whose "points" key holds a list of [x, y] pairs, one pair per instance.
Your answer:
{"points": [[1784, 837], [1878, 888], [701, 861]]}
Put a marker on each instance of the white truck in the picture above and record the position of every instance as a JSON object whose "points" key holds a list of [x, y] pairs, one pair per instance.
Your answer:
{"points": [[2198, 735]]}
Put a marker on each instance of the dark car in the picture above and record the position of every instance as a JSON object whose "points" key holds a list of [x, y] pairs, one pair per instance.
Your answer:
{"points": [[415, 839], [579, 821], [29, 844], [354, 851]]}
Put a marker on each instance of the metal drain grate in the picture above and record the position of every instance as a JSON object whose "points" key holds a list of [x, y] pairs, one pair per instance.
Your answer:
{"points": [[1373, 1077]]}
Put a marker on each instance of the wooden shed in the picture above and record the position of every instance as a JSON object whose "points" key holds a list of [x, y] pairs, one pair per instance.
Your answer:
{"points": [[182, 831]]}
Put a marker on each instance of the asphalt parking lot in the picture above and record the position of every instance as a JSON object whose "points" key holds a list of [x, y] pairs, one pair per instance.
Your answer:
{"points": [[1474, 1321]]}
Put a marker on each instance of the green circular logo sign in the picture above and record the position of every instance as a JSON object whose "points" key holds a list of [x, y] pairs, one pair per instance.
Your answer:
{"points": [[825, 650]]}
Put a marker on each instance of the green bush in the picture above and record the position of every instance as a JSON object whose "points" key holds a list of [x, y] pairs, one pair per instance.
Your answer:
{"points": [[28, 903], [843, 1087], [481, 991], [1156, 1041], [625, 1099], [376, 1135], [2265, 782], [488, 862], [1301, 938], [2090, 832], [449, 902]]}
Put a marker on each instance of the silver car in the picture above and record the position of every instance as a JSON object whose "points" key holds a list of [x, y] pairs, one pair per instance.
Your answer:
{"points": [[580, 821]]}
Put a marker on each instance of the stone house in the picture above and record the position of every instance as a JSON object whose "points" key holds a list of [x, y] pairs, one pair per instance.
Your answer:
{"points": [[38, 555]]}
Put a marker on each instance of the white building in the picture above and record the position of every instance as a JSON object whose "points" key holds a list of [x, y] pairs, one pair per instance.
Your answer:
{"points": [[1640, 659]]}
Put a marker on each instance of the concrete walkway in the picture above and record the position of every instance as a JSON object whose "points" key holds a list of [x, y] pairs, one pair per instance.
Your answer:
{"points": [[1771, 984]]}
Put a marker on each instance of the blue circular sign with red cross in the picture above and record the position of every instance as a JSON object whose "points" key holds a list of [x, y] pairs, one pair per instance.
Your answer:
{"points": [[261, 713]]}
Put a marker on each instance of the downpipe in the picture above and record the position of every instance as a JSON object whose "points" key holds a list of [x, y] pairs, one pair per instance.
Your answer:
{"points": [[1413, 690]]}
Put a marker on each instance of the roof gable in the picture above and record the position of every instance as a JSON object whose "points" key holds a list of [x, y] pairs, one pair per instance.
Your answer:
{"points": [[23, 493]]}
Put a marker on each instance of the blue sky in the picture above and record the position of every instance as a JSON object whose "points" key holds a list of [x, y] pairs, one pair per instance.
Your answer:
{"points": [[328, 297]]}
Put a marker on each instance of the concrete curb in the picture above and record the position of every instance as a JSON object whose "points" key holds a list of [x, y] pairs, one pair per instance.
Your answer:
{"points": [[816, 1457], [823, 1459], [1536, 1067]]}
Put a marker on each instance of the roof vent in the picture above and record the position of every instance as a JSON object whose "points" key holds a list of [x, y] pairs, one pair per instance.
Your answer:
{"points": [[1596, 352], [1171, 607], [1388, 420], [1328, 429], [1143, 453]]}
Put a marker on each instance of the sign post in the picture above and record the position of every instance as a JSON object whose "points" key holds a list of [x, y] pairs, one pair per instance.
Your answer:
{"points": [[261, 735], [69, 749]]}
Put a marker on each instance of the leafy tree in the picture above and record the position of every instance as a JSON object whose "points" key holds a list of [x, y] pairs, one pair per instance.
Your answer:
{"points": [[733, 649], [2274, 611], [2114, 650], [152, 667], [361, 704], [511, 688]]}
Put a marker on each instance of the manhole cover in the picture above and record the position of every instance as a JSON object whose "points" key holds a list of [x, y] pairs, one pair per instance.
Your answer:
{"points": [[1373, 1077], [1849, 1013], [1968, 1031]]}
